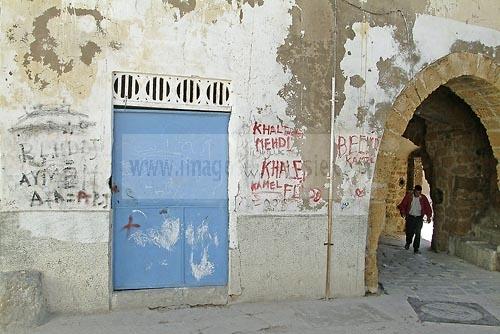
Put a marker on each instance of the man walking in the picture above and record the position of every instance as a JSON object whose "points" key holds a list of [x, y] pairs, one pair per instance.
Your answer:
{"points": [[413, 207]]}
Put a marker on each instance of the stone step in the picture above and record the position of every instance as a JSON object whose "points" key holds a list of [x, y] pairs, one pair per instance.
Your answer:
{"points": [[489, 233], [22, 302], [476, 251]]}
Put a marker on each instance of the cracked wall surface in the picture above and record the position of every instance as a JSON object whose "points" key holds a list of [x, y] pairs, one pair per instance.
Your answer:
{"points": [[56, 142], [287, 61], [386, 45]]}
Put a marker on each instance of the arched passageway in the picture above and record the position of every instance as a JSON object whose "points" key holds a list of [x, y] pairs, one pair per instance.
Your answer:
{"points": [[458, 161], [471, 78]]}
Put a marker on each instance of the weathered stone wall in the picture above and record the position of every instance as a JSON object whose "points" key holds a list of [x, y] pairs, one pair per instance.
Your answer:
{"points": [[70, 249], [265, 271], [418, 171], [396, 189], [407, 173], [385, 49], [473, 77], [463, 169], [463, 185]]}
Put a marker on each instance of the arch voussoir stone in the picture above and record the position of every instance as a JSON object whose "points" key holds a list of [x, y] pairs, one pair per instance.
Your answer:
{"points": [[421, 88], [468, 62], [487, 69], [497, 79], [412, 99], [401, 106], [397, 122], [446, 69], [433, 78]]}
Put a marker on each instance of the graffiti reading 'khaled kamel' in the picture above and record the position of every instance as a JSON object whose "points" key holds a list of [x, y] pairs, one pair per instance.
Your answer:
{"points": [[280, 174], [357, 149]]}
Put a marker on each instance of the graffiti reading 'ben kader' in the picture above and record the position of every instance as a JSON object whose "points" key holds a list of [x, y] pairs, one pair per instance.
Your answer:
{"points": [[357, 149]]}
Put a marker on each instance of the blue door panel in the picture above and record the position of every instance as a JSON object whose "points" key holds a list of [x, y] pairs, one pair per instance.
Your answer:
{"points": [[147, 247], [170, 172], [169, 156]]}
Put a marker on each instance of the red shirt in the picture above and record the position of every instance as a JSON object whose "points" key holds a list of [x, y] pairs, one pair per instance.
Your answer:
{"points": [[405, 205]]}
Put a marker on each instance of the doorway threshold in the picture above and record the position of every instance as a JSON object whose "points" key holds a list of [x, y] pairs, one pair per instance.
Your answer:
{"points": [[169, 297]]}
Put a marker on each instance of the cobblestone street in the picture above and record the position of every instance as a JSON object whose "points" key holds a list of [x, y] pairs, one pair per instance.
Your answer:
{"points": [[426, 277], [433, 275]]}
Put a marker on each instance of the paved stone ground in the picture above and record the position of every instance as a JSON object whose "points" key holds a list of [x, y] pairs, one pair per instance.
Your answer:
{"points": [[434, 276], [428, 276]]}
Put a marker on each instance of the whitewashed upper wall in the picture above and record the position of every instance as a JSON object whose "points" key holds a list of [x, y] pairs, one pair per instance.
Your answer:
{"points": [[58, 58], [56, 103], [379, 60], [482, 13]]}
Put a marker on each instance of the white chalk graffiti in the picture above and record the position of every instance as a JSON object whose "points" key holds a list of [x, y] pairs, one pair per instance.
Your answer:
{"points": [[200, 238], [165, 237], [168, 234], [201, 234], [202, 269], [141, 213], [139, 238]]}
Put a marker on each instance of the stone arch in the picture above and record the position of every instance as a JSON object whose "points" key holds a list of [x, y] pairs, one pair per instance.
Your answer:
{"points": [[473, 77]]}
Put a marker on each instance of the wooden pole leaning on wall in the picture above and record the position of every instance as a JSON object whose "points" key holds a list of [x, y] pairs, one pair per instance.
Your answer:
{"points": [[328, 251], [329, 237], [333, 157]]}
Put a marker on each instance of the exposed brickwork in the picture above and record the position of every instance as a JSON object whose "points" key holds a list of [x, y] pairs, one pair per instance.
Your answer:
{"points": [[407, 173], [394, 224], [418, 171]]}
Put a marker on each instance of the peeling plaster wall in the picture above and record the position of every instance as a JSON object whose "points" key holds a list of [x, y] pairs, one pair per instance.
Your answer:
{"points": [[57, 61], [478, 12], [381, 46], [56, 105]]}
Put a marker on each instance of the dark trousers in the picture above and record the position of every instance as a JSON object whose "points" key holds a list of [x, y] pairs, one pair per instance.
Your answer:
{"points": [[413, 226]]}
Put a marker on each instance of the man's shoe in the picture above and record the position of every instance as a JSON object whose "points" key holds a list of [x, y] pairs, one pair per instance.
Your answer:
{"points": [[416, 251], [407, 246]]}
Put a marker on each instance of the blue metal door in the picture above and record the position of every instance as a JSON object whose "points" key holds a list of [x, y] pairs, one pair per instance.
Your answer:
{"points": [[169, 199]]}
